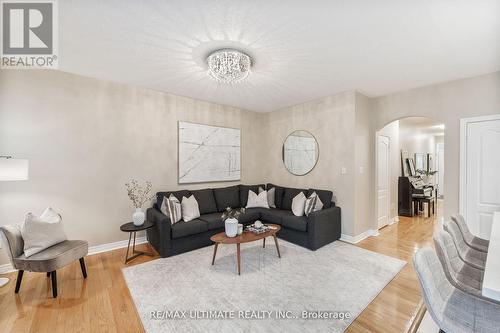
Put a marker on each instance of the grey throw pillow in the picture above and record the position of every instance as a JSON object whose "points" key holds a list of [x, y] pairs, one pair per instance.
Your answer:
{"points": [[172, 208], [313, 204], [270, 196]]}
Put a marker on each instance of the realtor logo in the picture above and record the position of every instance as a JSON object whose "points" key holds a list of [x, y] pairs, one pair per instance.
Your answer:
{"points": [[29, 37]]}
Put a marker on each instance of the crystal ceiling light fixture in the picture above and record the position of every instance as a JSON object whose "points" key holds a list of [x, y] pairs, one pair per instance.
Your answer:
{"points": [[228, 65]]}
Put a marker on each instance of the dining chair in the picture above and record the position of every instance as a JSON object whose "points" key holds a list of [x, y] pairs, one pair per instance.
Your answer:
{"points": [[468, 254], [477, 243], [453, 310], [460, 275]]}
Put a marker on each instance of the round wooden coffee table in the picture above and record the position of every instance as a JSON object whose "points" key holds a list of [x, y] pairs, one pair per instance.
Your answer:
{"points": [[245, 237]]}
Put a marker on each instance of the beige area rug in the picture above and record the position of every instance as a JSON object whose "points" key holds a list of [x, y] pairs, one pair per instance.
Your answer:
{"points": [[304, 291]]}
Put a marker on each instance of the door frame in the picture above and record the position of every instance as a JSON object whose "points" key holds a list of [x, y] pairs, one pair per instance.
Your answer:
{"points": [[389, 192], [464, 122], [438, 160]]}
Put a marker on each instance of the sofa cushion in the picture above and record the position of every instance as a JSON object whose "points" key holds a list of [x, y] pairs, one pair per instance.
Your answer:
{"points": [[295, 222], [214, 220], [288, 195], [274, 215], [244, 192], [278, 195], [182, 229], [251, 215], [227, 197], [177, 194], [206, 200], [325, 196]]}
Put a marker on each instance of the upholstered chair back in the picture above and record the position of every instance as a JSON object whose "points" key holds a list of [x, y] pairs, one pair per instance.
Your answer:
{"points": [[462, 276], [452, 309], [471, 240], [464, 229], [468, 254], [13, 241]]}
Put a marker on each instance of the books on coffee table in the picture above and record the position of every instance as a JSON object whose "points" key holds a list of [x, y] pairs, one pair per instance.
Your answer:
{"points": [[256, 230]]}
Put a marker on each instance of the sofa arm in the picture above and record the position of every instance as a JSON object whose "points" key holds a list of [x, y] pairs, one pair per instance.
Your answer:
{"points": [[323, 227], [160, 235]]}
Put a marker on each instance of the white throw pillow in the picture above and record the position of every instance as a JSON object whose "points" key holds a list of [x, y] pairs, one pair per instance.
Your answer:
{"points": [[255, 200], [313, 204], [41, 232], [172, 208], [270, 196], [50, 216], [298, 204], [190, 208]]}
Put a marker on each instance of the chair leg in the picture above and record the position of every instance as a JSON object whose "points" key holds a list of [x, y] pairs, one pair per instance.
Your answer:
{"points": [[53, 274], [19, 279], [82, 266]]}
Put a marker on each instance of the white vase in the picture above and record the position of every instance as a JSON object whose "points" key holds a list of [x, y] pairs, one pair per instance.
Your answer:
{"points": [[138, 217], [231, 226]]}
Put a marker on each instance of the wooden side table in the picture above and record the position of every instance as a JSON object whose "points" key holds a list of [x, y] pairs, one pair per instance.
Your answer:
{"points": [[132, 229]]}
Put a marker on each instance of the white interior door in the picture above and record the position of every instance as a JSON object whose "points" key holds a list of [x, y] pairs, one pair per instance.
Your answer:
{"points": [[481, 159], [440, 168], [383, 179]]}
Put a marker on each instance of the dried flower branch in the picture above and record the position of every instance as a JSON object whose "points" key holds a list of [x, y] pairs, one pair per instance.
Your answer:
{"points": [[139, 194], [232, 213]]}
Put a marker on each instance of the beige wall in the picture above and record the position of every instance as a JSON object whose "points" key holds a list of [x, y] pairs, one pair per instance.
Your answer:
{"points": [[331, 121], [415, 139], [85, 138], [364, 154], [447, 103]]}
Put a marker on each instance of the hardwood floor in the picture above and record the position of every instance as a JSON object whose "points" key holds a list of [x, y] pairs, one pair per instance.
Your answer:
{"points": [[394, 309], [102, 302]]}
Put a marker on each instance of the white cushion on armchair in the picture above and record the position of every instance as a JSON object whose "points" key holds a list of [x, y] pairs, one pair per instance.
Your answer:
{"points": [[41, 232]]}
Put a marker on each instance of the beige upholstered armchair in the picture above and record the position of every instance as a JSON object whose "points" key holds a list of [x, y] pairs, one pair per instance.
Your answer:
{"points": [[47, 261]]}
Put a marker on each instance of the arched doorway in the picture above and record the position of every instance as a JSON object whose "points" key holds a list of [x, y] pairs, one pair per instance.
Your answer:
{"points": [[409, 170]]}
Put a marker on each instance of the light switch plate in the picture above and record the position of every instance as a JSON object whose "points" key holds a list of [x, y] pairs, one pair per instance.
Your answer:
{"points": [[343, 171]]}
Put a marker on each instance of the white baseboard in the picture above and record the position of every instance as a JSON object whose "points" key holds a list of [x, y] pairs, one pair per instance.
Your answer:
{"points": [[394, 220], [7, 268], [114, 246], [360, 237]]}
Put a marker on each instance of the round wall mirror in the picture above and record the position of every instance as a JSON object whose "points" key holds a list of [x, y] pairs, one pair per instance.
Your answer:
{"points": [[300, 152]]}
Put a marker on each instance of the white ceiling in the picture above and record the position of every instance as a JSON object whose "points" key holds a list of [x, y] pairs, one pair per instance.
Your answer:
{"points": [[302, 49]]}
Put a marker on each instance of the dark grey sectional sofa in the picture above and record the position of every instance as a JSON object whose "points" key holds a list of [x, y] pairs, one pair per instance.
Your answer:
{"points": [[318, 229]]}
